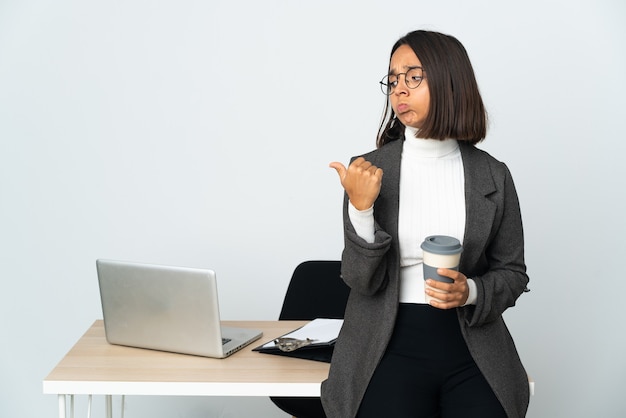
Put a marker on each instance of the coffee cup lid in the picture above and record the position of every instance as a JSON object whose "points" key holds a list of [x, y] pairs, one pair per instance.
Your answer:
{"points": [[442, 244]]}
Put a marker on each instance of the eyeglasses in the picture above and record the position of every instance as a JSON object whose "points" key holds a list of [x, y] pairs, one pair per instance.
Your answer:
{"points": [[412, 78]]}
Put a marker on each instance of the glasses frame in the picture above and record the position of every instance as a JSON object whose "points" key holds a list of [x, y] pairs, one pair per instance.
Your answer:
{"points": [[388, 89]]}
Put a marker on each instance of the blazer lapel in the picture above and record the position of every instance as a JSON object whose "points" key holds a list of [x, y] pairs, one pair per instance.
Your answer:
{"points": [[480, 211], [388, 158]]}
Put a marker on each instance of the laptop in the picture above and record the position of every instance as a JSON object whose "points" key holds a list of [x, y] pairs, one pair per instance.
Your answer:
{"points": [[166, 308]]}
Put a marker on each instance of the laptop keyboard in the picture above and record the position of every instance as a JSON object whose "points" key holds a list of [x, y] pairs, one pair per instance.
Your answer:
{"points": [[225, 340]]}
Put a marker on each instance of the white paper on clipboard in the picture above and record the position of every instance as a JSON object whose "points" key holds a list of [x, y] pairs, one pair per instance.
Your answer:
{"points": [[320, 330]]}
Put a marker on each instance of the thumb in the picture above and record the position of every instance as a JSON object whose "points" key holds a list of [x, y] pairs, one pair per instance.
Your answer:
{"points": [[341, 169]]}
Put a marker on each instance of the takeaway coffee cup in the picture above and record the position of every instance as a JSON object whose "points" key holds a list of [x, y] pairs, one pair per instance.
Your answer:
{"points": [[440, 251]]}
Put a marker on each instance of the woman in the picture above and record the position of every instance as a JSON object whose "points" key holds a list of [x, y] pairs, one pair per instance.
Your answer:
{"points": [[398, 356]]}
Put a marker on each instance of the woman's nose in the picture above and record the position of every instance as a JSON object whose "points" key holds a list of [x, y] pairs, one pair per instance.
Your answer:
{"points": [[401, 88]]}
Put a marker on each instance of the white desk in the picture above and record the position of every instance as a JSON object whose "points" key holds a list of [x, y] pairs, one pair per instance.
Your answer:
{"points": [[95, 367]]}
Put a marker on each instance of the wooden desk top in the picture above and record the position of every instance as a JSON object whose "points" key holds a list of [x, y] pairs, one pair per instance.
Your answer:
{"points": [[93, 366]]}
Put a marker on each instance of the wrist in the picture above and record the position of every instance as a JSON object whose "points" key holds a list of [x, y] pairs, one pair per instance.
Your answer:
{"points": [[472, 292]]}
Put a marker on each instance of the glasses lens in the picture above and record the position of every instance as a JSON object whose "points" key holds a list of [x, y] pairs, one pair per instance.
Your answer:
{"points": [[385, 87], [414, 78]]}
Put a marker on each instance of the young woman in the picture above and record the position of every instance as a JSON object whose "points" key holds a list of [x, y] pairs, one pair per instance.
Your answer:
{"points": [[397, 355]]}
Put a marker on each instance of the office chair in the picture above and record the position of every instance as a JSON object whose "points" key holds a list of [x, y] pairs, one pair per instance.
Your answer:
{"points": [[316, 290]]}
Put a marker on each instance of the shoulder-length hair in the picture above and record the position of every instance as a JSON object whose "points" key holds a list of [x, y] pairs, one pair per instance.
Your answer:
{"points": [[456, 107]]}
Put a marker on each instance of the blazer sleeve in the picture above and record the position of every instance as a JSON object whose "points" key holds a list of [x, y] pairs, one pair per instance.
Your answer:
{"points": [[364, 265]]}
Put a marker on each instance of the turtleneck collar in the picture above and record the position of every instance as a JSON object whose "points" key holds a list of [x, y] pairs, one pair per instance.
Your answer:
{"points": [[427, 148]]}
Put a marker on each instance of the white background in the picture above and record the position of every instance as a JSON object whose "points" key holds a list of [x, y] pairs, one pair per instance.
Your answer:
{"points": [[198, 133]]}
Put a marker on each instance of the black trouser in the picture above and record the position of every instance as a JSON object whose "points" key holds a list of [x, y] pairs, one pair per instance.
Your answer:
{"points": [[428, 372]]}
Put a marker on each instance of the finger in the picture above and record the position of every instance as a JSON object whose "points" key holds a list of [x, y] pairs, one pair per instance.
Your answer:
{"points": [[364, 166], [453, 274], [446, 300], [437, 299], [459, 287], [376, 170], [436, 284], [358, 161], [340, 168], [379, 174], [444, 296], [441, 304]]}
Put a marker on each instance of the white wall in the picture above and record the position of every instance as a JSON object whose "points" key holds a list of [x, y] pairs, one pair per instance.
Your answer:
{"points": [[198, 133]]}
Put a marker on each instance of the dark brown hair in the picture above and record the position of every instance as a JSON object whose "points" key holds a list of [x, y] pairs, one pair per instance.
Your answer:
{"points": [[456, 107]]}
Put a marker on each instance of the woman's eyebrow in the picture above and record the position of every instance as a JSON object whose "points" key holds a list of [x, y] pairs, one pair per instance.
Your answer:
{"points": [[406, 68]]}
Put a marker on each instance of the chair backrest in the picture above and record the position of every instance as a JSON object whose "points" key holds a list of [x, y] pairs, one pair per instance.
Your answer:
{"points": [[316, 290]]}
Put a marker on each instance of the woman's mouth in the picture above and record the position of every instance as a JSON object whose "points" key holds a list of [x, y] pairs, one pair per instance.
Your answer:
{"points": [[402, 107]]}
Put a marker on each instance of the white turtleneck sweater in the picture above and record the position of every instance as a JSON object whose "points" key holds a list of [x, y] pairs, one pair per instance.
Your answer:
{"points": [[432, 201]]}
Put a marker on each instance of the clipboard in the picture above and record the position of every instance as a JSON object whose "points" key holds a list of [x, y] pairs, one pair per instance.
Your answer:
{"points": [[321, 332]]}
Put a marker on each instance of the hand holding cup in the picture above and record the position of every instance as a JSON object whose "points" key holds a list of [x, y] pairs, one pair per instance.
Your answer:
{"points": [[445, 286]]}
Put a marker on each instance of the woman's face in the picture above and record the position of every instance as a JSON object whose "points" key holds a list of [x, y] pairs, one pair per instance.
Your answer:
{"points": [[410, 105]]}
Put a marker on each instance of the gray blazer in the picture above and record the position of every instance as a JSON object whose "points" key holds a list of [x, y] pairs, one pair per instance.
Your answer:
{"points": [[493, 256]]}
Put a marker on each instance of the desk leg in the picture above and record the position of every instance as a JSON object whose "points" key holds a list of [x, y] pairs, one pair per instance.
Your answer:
{"points": [[62, 406], [108, 400]]}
